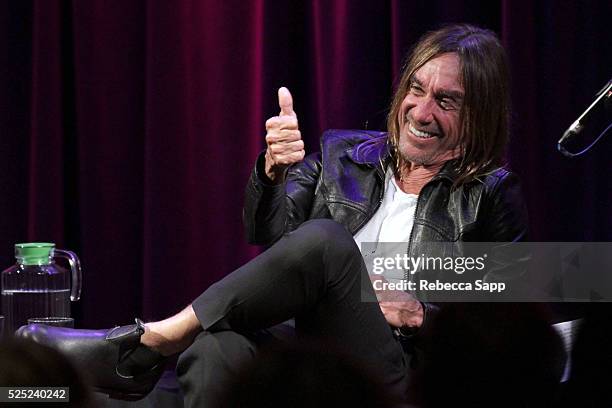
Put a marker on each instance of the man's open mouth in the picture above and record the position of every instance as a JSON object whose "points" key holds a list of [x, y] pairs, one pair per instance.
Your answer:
{"points": [[420, 133]]}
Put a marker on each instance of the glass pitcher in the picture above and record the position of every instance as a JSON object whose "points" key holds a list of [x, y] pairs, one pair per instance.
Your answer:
{"points": [[36, 286]]}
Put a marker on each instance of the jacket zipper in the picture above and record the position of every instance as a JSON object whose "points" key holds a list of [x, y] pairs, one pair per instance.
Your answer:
{"points": [[380, 199], [416, 211]]}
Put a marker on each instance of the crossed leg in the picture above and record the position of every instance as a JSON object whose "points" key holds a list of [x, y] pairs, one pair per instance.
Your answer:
{"points": [[314, 274]]}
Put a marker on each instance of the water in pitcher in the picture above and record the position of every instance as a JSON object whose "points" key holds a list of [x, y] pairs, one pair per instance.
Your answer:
{"points": [[37, 287], [23, 304], [34, 291]]}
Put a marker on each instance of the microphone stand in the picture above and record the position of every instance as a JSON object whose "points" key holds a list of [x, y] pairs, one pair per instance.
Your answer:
{"points": [[577, 126]]}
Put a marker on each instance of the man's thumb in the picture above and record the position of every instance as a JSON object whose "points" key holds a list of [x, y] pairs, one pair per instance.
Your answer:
{"points": [[285, 101]]}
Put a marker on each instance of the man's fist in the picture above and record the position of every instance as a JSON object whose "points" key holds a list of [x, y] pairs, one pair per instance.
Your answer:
{"points": [[285, 145], [400, 309]]}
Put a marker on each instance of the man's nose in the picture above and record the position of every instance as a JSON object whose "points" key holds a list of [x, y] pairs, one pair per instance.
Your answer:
{"points": [[422, 112]]}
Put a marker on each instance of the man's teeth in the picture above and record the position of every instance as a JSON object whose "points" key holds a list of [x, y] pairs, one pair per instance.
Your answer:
{"points": [[419, 133]]}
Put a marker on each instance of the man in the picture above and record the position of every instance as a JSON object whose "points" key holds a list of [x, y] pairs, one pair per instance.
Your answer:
{"points": [[435, 177]]}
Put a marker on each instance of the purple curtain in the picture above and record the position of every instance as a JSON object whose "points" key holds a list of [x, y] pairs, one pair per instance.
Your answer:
{"points": [[128, 129]]}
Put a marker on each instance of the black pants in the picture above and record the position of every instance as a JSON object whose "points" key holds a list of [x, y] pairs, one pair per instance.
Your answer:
{"points": [[314, 274]]}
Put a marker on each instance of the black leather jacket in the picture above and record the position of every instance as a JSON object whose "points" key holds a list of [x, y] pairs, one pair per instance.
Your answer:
{"points": [[345, 182]]}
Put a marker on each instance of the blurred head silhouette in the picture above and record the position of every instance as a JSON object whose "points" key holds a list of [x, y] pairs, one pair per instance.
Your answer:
{"points": [[28, 364]]}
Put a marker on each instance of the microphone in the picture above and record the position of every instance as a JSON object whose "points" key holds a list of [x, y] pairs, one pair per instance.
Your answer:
{"points": [[576, 127]]}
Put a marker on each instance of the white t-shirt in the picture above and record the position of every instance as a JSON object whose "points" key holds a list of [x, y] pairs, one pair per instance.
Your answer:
{"points": [[392, 222]]}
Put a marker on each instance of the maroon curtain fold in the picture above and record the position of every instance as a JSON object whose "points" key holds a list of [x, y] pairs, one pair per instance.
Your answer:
{"points": [[45, 154]]}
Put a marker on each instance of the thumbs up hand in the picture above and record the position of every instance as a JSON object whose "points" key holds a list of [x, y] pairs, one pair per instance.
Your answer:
{"points": [[285, 144]]}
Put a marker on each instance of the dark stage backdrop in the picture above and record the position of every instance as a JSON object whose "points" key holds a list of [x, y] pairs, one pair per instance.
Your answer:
{"points": [[128, 128]]}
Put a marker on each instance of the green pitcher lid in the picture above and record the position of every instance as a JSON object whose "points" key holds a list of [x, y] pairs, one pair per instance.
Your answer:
{"points": [[34, 253]]}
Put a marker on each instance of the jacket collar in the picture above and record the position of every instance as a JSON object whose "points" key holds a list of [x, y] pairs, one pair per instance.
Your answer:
{"points": [[377, 151], [449, 170], [371, 152]]}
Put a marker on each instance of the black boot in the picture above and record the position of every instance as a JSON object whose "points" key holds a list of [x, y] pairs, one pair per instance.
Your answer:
{"points": [[118, 365]]}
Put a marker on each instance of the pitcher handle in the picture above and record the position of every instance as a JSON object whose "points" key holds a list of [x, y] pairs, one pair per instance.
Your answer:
{"points": [[75, 267]]}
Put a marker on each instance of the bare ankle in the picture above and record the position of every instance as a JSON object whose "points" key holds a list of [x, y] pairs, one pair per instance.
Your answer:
{"points": [[172, 335]]}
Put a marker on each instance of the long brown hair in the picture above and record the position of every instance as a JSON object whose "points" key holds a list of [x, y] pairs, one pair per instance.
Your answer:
{"points": [[485, 110]]}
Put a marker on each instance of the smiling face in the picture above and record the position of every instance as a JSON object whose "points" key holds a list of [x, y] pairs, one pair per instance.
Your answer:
{"points": [[428, 118]]}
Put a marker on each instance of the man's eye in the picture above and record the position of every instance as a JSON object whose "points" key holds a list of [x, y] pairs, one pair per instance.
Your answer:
{"points": [[447, 104], [415, 89]]}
